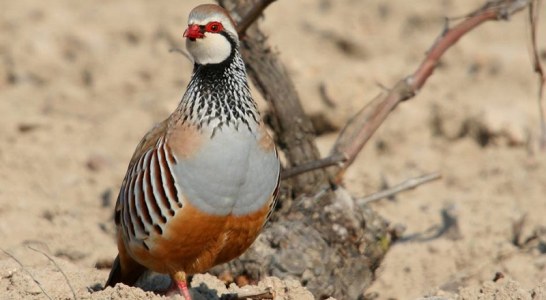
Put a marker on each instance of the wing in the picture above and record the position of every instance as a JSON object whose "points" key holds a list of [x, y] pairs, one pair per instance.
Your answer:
{"points": [[125, 269], [149, 195], [148, 142]]}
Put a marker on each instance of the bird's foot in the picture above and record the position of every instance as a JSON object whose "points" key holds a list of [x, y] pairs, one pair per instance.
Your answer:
{"points": [[179, 286]]}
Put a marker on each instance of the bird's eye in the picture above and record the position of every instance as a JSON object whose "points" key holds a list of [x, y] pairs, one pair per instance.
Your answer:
{"points": [[214, 27]]}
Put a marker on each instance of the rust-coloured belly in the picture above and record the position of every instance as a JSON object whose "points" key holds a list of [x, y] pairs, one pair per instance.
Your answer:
{"points": [[194, 242]]}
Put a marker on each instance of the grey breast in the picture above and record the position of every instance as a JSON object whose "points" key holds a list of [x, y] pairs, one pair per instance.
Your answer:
{"points": [[230, 175]]}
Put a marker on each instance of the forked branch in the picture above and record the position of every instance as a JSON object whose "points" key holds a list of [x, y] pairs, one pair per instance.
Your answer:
{"points": [[361, 127]]}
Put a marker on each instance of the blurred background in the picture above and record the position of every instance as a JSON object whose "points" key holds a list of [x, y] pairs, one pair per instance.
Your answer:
{"points": [[82, 81]]}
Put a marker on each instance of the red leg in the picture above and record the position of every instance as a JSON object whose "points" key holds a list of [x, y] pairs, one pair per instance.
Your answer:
{"points": [[180, 285]]}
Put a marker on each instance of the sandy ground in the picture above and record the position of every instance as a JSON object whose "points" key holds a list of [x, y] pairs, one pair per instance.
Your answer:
{"points": [[82, 81]]}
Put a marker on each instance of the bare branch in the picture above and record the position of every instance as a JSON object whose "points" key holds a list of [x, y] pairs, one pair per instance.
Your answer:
{"points": [[180, 51], [403, 186], [252, 15], [534, 9], [313, 165], [517, 230], [361, 127], [58, 268], [29, 274], [325, 97]]}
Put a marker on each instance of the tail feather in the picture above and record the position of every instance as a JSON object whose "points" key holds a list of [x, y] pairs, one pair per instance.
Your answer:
{"points": [[115, 274], [126, 272]]}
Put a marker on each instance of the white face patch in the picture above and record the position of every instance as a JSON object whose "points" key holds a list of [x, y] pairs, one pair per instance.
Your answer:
{"points": [[213, 48]]}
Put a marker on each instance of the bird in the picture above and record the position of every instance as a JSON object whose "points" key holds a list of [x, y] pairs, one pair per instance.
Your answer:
{"points": [[202, 184]]}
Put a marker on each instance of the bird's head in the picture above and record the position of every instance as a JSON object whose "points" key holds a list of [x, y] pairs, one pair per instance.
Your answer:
{"points": [[211, 35]]}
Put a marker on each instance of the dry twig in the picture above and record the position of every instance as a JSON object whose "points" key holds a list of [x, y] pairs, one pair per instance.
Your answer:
{"points": [[58, 268], [266, 294], [534, 9], [184, 53], [28, 272], [517, 229], [313, 165], [408, 184], [252, 15]]}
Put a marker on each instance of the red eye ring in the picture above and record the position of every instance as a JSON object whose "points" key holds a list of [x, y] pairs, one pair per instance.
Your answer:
{"points": [[214, 27]]}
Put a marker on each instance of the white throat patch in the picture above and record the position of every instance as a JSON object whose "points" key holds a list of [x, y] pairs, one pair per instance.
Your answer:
{"points": [[213, 48]]}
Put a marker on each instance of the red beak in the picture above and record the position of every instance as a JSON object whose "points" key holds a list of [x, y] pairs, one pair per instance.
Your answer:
{"points": [[193, 32]]}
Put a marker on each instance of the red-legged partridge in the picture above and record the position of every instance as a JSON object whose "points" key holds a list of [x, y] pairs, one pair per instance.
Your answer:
{"points": [[201, 184]]}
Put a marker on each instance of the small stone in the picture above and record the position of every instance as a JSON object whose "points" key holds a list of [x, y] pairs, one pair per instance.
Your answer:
{"points": [[97, 162]]}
